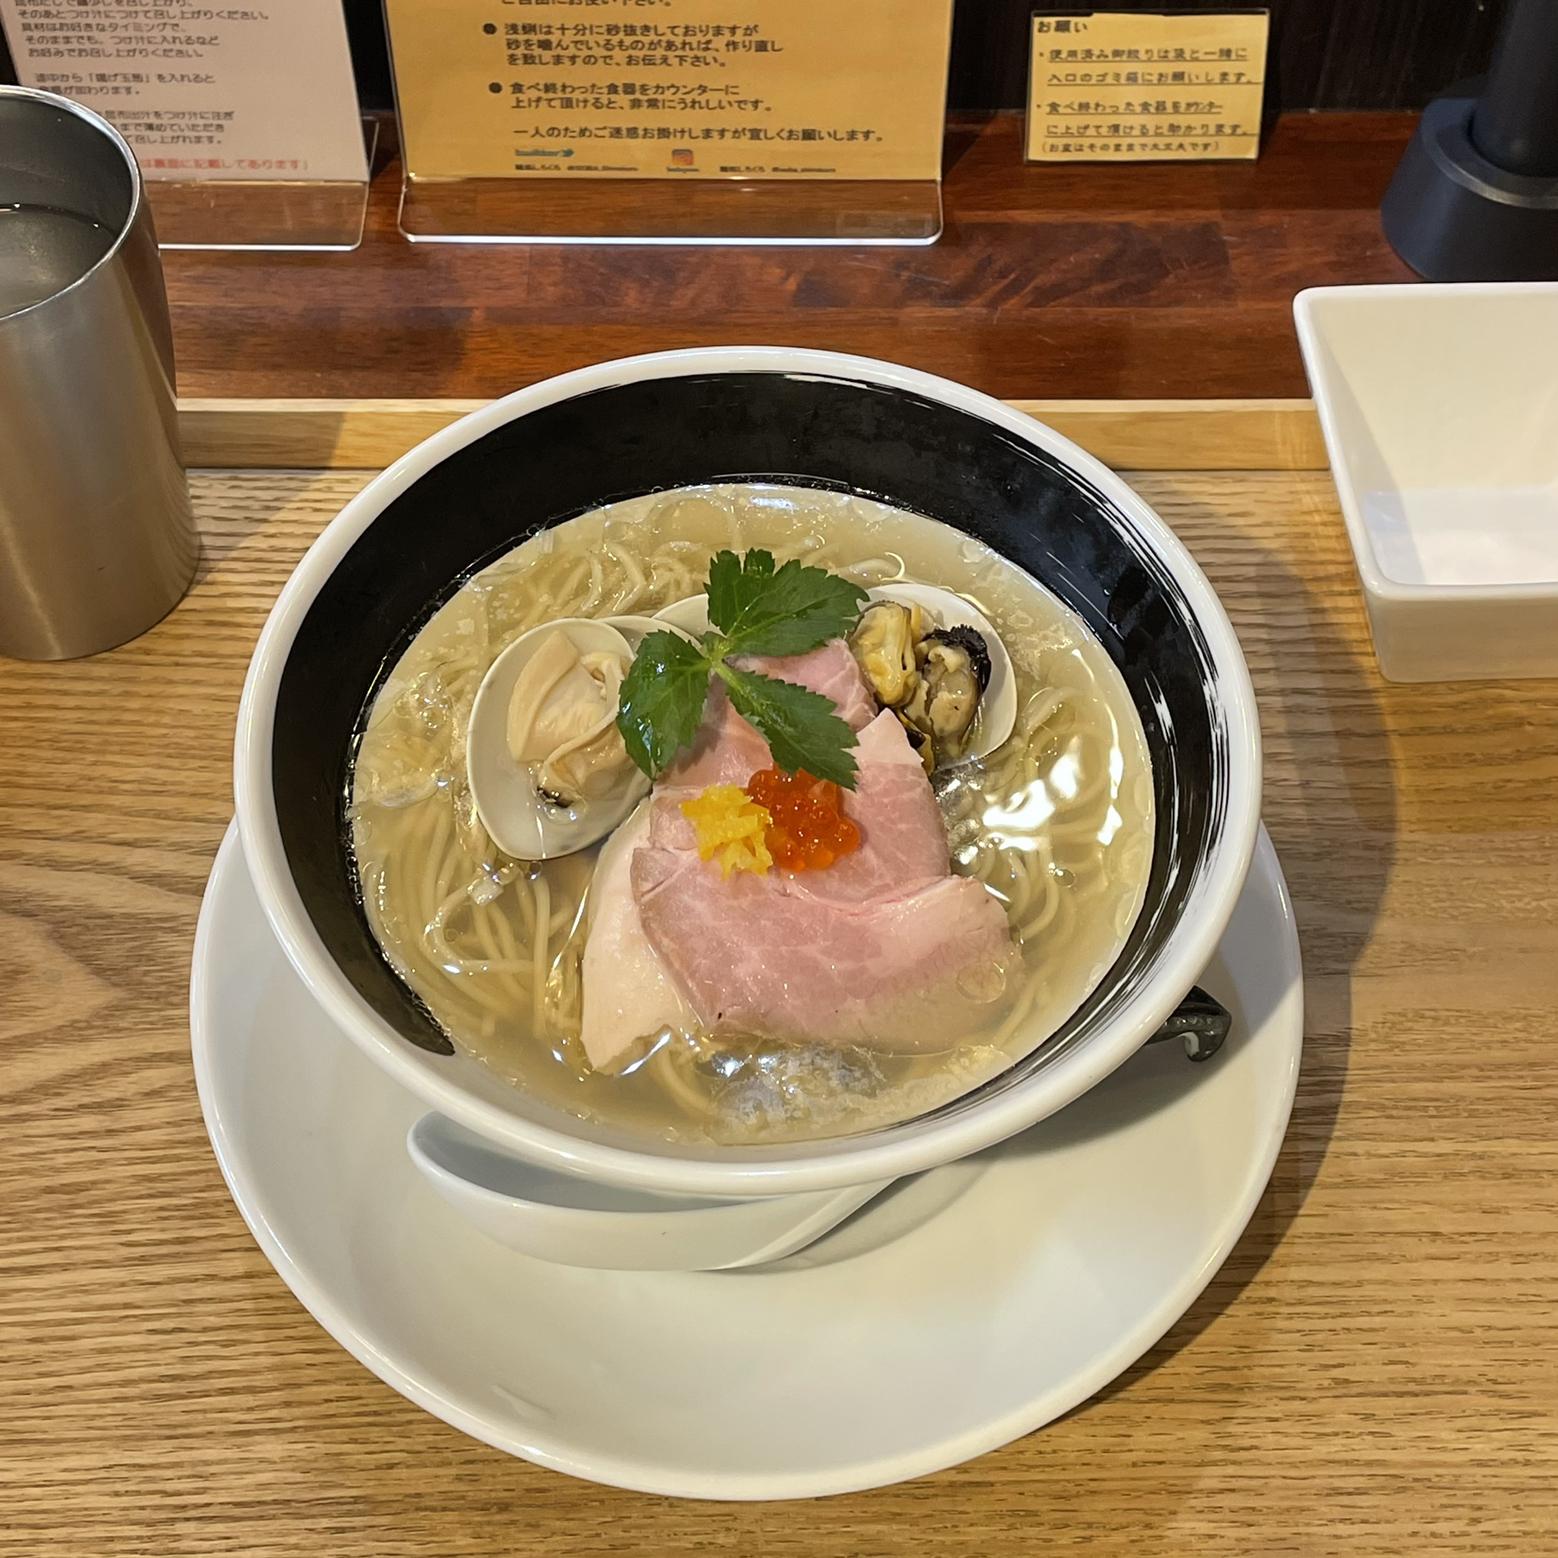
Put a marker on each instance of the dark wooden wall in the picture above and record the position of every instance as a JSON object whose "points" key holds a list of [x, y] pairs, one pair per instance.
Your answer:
{"points": [[1325, 53]]}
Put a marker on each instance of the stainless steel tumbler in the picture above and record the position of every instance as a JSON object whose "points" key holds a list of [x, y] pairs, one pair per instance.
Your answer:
{"points": [[96, 538]]}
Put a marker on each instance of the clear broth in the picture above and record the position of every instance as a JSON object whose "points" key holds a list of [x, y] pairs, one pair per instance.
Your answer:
{"points": [[43, 251], [1057, 823]]}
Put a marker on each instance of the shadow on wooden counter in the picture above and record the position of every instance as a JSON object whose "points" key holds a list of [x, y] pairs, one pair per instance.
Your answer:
{"points": [[1331, 808]]}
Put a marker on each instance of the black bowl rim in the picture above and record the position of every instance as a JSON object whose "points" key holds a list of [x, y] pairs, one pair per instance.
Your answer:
{"points": [[892, 1151]]}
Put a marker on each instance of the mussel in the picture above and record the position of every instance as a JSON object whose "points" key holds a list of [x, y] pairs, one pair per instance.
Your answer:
{"points": [[958, 700], [884, 642], [954, 671]]}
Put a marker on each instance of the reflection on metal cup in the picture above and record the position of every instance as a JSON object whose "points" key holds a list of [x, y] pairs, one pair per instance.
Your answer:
{"points": [[96, 538]]}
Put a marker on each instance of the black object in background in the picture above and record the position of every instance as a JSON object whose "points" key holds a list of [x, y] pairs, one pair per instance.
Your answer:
{"points": [[1476, 195], [370, 54]]}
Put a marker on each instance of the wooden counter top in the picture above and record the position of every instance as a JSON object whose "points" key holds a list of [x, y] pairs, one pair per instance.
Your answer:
{"points": [[1058, 281], [1374, 1373]]}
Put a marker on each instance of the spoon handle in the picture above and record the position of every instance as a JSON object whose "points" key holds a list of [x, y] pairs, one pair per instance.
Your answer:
{"points": [[1201, 1022]]}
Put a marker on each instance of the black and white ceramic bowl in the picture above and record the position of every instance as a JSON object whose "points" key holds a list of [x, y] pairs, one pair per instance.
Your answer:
{"points": [[545, 454]]}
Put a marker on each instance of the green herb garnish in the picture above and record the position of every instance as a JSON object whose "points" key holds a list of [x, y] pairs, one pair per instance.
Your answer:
{"points": [[754, 609]]}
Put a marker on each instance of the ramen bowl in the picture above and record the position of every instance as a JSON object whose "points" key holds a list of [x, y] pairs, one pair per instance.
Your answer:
{"points": [[586, 439]]}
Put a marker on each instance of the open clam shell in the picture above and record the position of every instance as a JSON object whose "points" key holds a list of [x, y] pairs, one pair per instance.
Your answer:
{"points": [[520, 820]]}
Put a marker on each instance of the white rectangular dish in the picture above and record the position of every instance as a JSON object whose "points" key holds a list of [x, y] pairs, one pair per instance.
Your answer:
{"points": [[1439, 407]]}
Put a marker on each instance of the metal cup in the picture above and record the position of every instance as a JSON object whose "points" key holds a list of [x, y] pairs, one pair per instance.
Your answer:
{"points": [[96, 537]]}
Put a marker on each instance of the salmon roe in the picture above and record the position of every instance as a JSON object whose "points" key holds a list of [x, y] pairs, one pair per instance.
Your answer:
{"points": [[807, 830]]}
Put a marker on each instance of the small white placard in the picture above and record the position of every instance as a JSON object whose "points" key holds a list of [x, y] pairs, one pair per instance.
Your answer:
{"points": [[258, 90]]}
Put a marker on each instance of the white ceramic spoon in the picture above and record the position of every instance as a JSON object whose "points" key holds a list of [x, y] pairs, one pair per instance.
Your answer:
{"points": [[521, 823], [997, 704]]}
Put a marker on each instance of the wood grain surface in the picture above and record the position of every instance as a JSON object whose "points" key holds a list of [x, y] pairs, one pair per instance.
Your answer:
{"points": [[1374, 1372], [1211, 435], [1053, 281]]}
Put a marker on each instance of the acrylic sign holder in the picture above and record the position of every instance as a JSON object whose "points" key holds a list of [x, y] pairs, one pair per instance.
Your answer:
{"points": [[262, 213]]}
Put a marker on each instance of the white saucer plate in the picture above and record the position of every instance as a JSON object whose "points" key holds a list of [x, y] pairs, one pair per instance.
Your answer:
{"points": [[958, 1312]]}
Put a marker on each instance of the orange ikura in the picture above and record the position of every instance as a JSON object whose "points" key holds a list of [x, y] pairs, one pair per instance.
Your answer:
{"points": [[807, 829]]}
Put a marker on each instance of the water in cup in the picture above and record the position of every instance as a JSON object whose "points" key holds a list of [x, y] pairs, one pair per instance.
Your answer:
{"points": [[43, 250]]}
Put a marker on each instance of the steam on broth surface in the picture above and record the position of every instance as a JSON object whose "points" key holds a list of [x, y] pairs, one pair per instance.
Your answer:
{"points": [[1057, 823]]}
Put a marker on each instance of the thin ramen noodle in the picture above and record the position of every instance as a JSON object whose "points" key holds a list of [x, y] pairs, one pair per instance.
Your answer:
{"points": [[1056, 823]]}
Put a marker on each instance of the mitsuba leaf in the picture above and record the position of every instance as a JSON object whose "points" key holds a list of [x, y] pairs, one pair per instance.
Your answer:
{"points": [[754, 609], [660, 705], [799, 725], [759, 610], [732, 581]]}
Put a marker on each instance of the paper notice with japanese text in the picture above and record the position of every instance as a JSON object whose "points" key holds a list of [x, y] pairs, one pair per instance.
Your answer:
{"points": [[1146, 86], [232, 91], [713, 89]]}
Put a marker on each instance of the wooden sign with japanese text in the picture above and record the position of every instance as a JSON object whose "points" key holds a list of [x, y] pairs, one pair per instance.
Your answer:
{"points": [[1145, 86], [700, 89]]}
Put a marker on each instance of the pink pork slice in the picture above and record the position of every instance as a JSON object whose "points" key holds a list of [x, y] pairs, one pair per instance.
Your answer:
{"points": [[902, 840], [885, 948], [729, 751], [629, 993]]}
